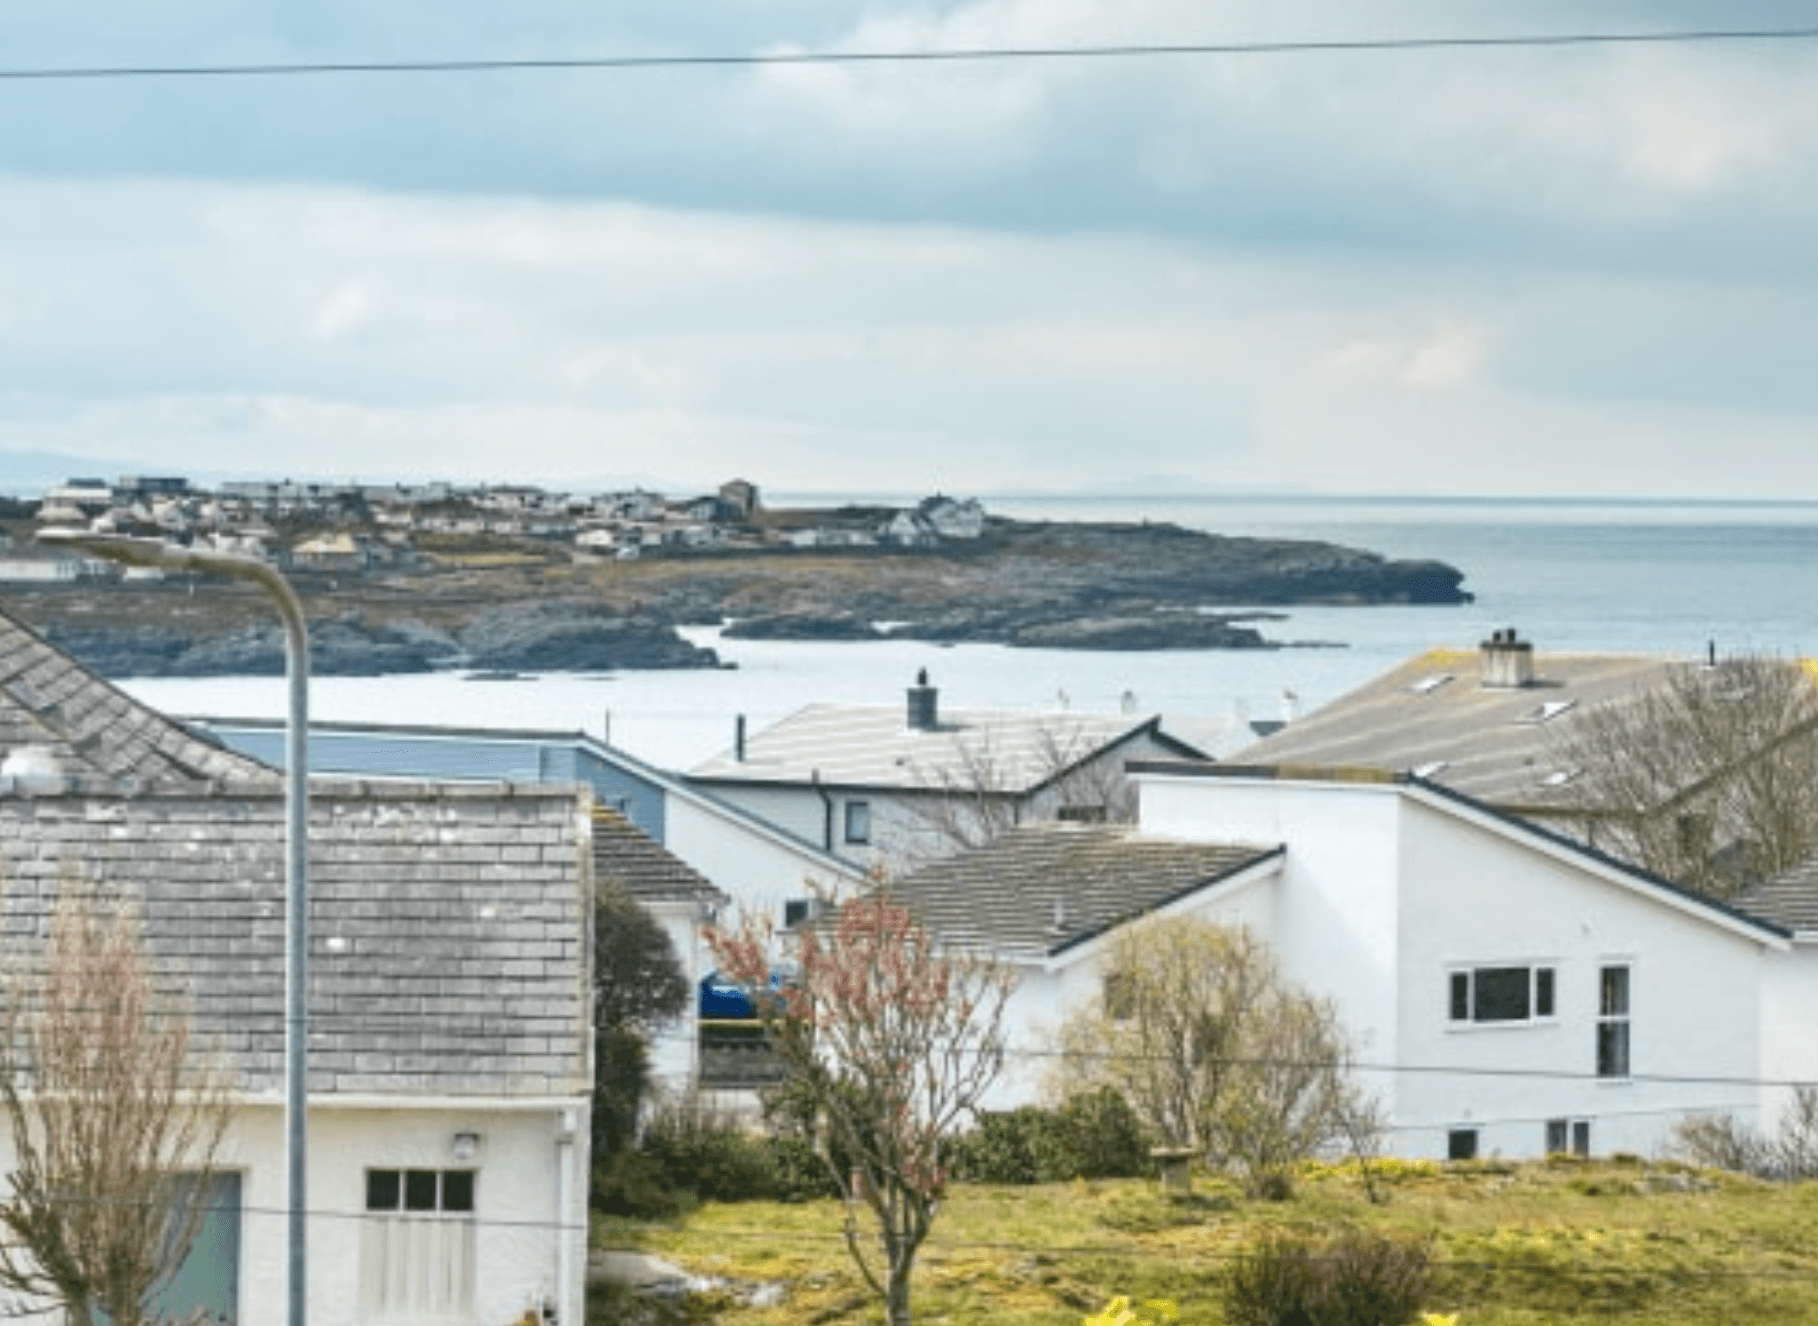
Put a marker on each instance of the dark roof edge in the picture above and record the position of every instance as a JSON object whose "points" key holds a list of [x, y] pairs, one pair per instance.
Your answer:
{"points": [[1212, 881]]}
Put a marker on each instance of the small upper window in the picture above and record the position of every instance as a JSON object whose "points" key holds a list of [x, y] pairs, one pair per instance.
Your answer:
{"points": [[858, 821], [446, 1190], [1501, 994]]}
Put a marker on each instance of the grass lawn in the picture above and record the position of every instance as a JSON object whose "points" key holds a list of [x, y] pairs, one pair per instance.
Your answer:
{"points": [[1561, 1240]]}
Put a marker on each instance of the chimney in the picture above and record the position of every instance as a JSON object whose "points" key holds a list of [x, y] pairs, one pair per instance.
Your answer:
{"points": [[924, 705], [1507, 663]]}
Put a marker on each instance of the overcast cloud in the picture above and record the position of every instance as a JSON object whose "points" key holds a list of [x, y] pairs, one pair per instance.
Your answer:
{"points": [[1547, 271]]}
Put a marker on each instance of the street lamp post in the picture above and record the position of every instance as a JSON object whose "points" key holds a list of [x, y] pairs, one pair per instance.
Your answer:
{"points": [[172, 557]]}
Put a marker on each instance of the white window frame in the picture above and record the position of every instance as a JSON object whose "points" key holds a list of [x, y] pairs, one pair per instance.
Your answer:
{"points": [[1543, 987], [1573, 1136], [1612, 1020], [856, 824]]}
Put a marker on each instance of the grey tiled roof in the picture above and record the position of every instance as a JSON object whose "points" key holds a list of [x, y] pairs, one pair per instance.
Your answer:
{"points": [[1432, 717], [873, 746], [625, 855], [95, 730], [449, 925], [1789, 900], [1049, 886]]}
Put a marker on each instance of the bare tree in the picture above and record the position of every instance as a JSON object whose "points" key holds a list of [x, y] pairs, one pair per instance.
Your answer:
{"points": [[1215, 1049], [1788, 1155], [980, 789], [893, 1043], [115, 1119], [1709, 780]]}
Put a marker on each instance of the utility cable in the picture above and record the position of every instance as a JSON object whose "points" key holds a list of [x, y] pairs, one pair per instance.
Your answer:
{"points": [[974, 55]]}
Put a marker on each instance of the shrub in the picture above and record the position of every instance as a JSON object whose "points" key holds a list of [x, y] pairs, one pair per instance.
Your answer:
{"points": [[632, 1184], [1353, 1279], [1107, 1138], [709, 1154], [1092, 1136]]}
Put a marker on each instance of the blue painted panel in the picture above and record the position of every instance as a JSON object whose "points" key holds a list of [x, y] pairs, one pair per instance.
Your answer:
{"points": [[381, 754], [205, 1290]]}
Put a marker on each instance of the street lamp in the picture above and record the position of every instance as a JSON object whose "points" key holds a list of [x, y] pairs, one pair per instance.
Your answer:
{"points": [[173, 557]]}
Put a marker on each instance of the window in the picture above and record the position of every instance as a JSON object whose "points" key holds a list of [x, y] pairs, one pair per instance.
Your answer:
{"points": [[1501, 994], [1573, 1135], [1613, 1022], [1119, 996], [800, 911], [1461, 1144], [416, 1245], [858, 821]]}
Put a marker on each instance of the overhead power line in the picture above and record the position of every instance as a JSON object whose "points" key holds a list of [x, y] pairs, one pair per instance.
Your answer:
{"points": [[980, 54]]}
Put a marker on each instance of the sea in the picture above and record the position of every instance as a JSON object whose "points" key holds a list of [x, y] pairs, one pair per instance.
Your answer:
{"points": [[1676, 577]]}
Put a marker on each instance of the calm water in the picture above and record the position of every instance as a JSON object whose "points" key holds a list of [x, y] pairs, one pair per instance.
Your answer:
{"points": [[1643, 577]]}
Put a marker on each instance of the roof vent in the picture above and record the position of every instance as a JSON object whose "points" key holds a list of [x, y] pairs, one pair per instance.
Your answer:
{"points": [[1508, 663], [1058, 925], [924, 705], [33, 771]]}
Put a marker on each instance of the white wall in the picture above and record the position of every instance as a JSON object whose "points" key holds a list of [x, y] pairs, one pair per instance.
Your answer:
{"points": [[1047, 992], [1335, 923], [520, 1215], [1471, 896], [1789, 1026], [759, 873]]}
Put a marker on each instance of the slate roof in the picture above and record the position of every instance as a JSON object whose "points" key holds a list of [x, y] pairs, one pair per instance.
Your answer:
{"points": [[1432, 717], [1047, 887], [625, 855], [97, 732], [1789, 900], [448, 924], [873, 746]]}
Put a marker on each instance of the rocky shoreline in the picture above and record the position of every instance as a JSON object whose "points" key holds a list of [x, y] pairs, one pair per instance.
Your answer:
{"points": [[1023, 584]]}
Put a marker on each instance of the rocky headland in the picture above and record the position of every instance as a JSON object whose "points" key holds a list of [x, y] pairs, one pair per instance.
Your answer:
{"points": [[486, 604]]}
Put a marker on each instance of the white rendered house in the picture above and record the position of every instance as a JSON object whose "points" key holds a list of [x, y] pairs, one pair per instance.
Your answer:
{"points": [[1508, 991], [450, 1047]]}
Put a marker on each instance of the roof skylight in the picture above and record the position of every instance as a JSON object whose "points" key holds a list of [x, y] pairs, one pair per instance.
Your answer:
{"points": [[1547, 712]]}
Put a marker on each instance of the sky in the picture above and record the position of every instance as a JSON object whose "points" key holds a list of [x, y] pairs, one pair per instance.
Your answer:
{"points": [[1579, 270]]}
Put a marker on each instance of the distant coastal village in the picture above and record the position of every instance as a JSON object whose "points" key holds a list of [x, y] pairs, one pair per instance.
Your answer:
{"points": [[520, 578], [352, 527]]}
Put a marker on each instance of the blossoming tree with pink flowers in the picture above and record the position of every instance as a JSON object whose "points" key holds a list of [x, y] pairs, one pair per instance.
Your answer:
{"points": [[892, 1042]]}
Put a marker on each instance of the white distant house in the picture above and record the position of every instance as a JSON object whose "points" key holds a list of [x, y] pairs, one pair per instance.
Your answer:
{"points": [[1509, 991], [886, 787]]}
